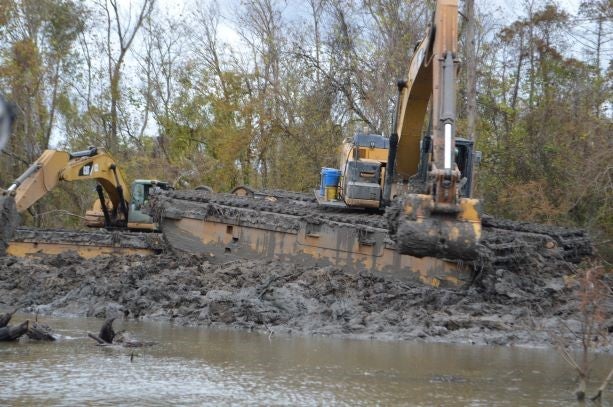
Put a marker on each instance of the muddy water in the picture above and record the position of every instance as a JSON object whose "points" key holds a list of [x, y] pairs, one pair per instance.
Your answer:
{"points": [[192, 366]]}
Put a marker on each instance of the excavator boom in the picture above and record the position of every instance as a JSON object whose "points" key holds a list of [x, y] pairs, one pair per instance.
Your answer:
{"points": [[431, 78], [54, 166], [431, 217]]}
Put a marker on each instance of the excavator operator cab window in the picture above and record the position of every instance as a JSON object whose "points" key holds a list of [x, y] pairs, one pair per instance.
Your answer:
{"points": [[464, 158], [147, 191], [140, 195]]}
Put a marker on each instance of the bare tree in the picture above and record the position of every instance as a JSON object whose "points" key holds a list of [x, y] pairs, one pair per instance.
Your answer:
{"points": [[593, 295], [261, 26], [165, 45], [471, 69], [120, 31]]}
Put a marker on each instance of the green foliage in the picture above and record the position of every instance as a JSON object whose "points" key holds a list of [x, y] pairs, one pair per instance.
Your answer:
{"points": [[546, 144]]}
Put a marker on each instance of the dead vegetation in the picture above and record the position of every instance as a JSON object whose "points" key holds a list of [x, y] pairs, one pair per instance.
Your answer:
{"points": [[594, 297]]}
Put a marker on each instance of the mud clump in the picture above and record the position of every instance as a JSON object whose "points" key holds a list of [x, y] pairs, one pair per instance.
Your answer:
{"points": [[503, 307], [9, 220]]}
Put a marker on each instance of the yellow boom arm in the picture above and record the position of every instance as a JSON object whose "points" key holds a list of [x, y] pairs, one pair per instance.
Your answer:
{"points": [[432, 75], [435, 220], [54, 166]]}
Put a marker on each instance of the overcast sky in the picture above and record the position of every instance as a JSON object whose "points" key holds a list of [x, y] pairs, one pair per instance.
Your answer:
{"points": [[506, 11]]}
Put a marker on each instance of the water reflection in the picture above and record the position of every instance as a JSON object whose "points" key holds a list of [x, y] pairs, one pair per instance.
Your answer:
{"points": [[199, 366]]}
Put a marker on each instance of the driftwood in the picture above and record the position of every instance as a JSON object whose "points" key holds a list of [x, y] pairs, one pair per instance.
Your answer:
{"points": [[10, 333], [107, 333], [128, 341], [97, 339], [107, 336], [6, 318], [40, 332]]}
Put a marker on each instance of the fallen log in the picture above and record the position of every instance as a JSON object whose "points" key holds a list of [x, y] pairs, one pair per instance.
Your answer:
{"points": [[10, 333], [128, 341], [97, 339], [107, 333], [6, 318], [107, 336], [40, 332]]}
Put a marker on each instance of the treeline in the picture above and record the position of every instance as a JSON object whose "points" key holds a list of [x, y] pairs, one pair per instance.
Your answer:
{"points": [[262, 92]]}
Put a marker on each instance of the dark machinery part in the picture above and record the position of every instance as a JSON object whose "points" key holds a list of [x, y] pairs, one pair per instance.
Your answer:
{"points": [[105, 210]]}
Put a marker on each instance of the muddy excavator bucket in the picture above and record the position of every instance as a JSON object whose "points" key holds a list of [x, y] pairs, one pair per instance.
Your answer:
{"points": [[423, 229], [9, 219]]}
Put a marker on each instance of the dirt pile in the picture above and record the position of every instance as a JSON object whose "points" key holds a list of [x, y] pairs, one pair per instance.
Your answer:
{"points": [[504, 307]]}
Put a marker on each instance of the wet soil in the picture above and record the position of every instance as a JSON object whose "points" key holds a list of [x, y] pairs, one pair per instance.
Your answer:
{"points": [[529, 305], [92, 237]]}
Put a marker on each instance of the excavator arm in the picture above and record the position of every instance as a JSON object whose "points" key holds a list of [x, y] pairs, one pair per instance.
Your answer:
{"points": [[431, 218], [54, 166], [431, 77]]}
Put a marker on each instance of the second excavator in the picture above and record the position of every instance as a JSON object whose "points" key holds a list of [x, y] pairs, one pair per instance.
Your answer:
{"points": [[117, 206]]}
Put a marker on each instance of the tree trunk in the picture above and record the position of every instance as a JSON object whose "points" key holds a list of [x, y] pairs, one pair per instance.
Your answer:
{"points": [[471, 70], [11, 333], [107, 333], [471, 78], [6, 318]]}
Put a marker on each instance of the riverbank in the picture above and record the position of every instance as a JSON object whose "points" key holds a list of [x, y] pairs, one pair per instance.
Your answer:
{"points": [[525, 307]]}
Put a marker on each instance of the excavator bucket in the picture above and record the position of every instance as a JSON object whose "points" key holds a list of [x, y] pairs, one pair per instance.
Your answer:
{"points": [[9, 219], [423, 229]]}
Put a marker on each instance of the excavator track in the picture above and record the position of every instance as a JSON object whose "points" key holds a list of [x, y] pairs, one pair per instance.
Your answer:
{"points": [[280, 224], [32, 241], [292, 225]]}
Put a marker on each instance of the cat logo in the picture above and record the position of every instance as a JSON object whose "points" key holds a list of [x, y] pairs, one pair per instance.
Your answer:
{"points": [[86, 170]]}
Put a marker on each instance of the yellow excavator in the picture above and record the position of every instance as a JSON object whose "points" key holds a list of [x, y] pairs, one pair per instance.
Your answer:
{"points": [[424, 179], [119, 208]]}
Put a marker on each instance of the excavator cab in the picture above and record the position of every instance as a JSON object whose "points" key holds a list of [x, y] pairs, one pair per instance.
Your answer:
{"points": [[138, 218], [465, 160], [141, 192]]}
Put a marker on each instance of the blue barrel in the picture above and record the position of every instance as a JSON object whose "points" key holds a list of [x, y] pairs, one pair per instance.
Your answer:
{"points": [[330, 177]]}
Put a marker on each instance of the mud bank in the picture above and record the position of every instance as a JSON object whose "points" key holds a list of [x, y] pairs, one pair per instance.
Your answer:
{"points": [[523, 307]]}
